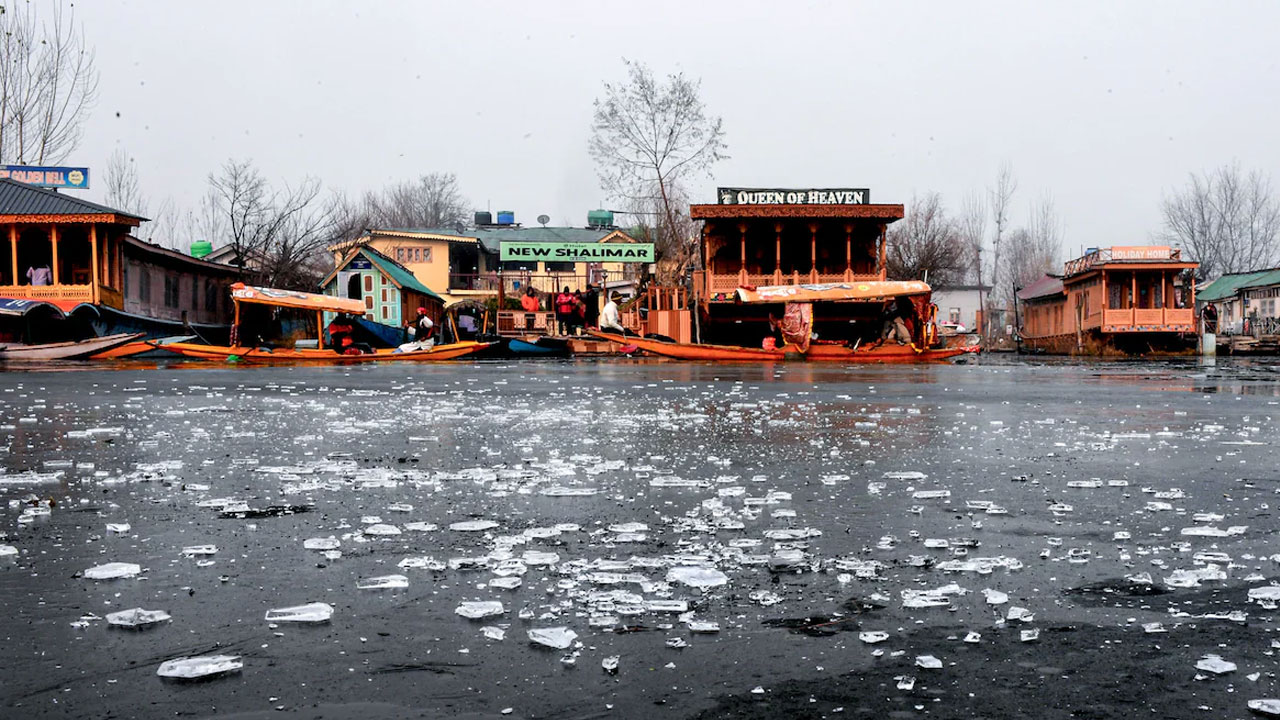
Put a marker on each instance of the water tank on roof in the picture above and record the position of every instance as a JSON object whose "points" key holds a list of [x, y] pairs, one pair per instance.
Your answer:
{"points": [[200, 248], [483, 217], [599, 218], [506, 217]]}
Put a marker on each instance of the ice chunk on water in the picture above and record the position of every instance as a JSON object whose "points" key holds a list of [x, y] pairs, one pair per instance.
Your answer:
{"points": [[137, 618], [995, 597], [118, 527], [421, 526], [631, 527], [195, 550], [192, 668], [421, 563], [698, 577], [928, 662], [1215, 664], [113, 571], [324, 543], [610, 664], [872, 637], [8, 551], [476, 610], [493, 632], [559, 638], [905, 475], [703, 626], [506, 583], [310, 613], [1267, 707], [382, 529], [562, 491], [473, 525], [384, 582]]}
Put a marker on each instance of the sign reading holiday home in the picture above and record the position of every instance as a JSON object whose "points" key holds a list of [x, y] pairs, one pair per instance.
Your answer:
{"points": [[769, 196], [47, 177], [576, 252]]}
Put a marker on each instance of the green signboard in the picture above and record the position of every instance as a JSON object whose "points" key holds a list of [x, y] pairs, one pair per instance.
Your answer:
{"points": [[576, 252]]}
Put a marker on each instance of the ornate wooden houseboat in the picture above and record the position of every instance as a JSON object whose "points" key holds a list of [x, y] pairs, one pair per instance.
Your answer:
{"points": [[1131, 300]]}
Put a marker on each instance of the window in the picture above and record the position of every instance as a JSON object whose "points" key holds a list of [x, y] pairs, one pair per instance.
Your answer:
{"points": [[953, 315], [144, 286], [368, 285], [384, 312], [384, 294], [368, 303], [399, 254]]}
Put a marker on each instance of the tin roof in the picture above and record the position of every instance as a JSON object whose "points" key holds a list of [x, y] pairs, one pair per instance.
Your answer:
{"points": [[398, 273], [1044, 287], [490, 237], [21, 199], [1228, 285]]}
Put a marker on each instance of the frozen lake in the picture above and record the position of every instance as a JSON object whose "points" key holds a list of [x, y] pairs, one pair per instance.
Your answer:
{"points": [[789, 541]]}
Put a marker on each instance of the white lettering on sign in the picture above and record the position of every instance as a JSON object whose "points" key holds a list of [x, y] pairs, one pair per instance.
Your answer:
{"points": [[742, 196]]}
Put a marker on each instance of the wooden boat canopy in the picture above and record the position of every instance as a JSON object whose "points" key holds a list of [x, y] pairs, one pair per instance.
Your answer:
{"points": [[242, 293], [870, 291]]}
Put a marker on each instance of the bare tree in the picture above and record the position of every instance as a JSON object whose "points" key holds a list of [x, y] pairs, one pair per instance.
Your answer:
{"points": [[433, 201], [928, 243], [47, 84], [972, 226], [1000, 195], [279, 235], [647, 139], [1033, 251], [1226, 220], [121, 181]]}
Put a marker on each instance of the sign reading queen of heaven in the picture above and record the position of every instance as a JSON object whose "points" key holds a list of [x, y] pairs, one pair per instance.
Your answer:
{"points": [[770, 196]]}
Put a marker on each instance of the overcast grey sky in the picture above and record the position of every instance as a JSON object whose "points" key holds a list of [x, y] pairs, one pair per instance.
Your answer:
{"points": [[1103, 105]]}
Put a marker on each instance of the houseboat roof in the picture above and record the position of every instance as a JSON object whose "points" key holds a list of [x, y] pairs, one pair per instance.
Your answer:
{"points": [[1130, 257], [888, 212], [21, 199], [398, 273], [1047, 286], [294, 299], [869, 291], [166, 256], [1230, 284]]}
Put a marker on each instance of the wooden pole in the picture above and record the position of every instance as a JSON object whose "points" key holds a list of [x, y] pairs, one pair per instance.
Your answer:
{"points": [[320, 329], [13, 246], [848, 251], [235, 323], [813, 252], [742, 252], [53, 247], [93, 260], [884, 263]]}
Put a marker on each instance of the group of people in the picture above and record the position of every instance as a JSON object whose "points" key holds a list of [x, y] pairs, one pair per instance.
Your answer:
{"points": [[576, 309]]}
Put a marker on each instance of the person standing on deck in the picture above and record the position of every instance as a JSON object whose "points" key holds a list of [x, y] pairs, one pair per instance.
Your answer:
{"points": [[591, 298], [529, 303], [422, 329], [564, 310], [41, 275]]}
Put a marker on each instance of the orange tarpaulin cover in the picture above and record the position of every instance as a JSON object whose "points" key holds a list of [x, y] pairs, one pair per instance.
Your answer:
{"points": [[869, 291], [289, 298]]}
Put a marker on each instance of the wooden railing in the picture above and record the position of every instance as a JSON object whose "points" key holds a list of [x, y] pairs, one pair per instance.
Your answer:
{"points": [[708, 283], [1171, 318], [74, 293], [519, 322]]}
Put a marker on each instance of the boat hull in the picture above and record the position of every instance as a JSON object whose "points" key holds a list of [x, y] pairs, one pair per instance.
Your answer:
{"points": [[889, 353], [71, 350], [284, 355]]}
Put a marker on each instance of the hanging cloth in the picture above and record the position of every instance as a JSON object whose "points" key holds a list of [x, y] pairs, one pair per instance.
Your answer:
{"points": [[797, 325]]}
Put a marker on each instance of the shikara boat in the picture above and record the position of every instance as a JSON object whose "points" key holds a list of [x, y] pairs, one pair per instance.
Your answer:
{"points": [[246, 294], [140, 348], [886, 353], [70, 350], [871, 302]]}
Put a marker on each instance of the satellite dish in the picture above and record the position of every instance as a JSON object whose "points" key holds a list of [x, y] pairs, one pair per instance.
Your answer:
{"points": [[543, 219]]}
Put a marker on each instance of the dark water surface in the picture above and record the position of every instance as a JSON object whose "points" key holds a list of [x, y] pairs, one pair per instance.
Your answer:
{"points": [[708, 464]]}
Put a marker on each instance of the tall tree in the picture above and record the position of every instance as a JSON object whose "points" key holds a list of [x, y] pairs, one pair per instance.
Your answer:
{"points": [[973, 231], [647, 139], [434, 200], [928, 243], [279, 234], [47, 84], [1034, 250], [1226, 220], [121, 180]]}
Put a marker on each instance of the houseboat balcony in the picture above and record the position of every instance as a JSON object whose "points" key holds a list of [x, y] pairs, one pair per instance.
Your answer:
{"points": [[709, 284], [1148, 320], [58, 294]]}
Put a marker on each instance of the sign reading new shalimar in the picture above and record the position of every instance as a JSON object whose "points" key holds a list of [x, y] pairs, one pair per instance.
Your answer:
{"points": [[773, 196], [576, 252]]}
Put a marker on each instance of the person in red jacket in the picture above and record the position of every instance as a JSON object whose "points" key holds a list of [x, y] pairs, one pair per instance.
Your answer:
{"points": [[565, 310]]}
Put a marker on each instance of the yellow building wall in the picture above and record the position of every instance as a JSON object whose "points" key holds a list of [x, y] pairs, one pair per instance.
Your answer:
{"points": [[434, 273]]}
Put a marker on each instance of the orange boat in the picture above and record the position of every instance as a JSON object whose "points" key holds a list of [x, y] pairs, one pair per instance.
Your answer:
{"points": [[451, 351], [241, 293], [886, 353]]}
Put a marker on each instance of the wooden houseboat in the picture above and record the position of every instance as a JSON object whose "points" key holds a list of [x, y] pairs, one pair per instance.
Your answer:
{"points": [[1132, 300], [802, 274]]}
